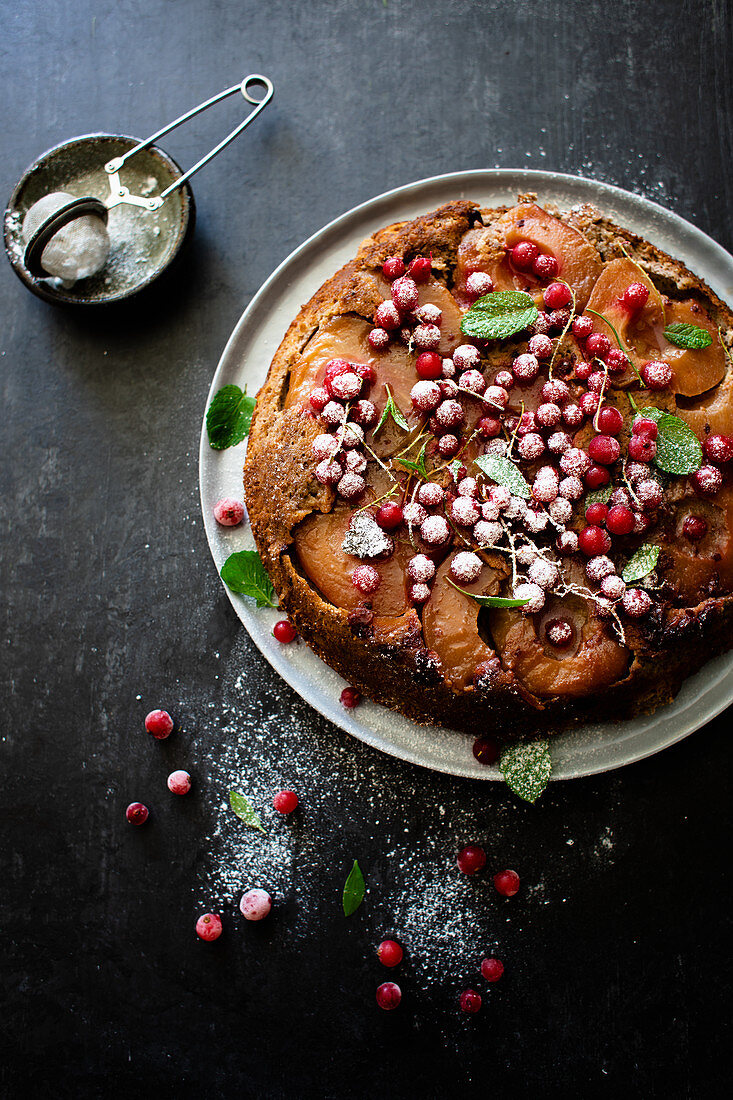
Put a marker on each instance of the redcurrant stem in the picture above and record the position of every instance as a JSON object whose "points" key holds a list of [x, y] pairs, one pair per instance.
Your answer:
{"points": [[564, 332], [600, 398], [618, 341], [383, 497]]}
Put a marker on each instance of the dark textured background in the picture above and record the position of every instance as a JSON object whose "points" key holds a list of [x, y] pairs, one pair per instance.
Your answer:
{"points": [[618, 967]]}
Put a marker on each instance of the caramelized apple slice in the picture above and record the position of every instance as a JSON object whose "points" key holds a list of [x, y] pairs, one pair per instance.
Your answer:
{"points": [[480, 250], [344, 337], [695, 564], [712, 412], [640, 330], [593, 661], [318, 546], [578, 261], [434, 293], [450, 625], [694, 371]]}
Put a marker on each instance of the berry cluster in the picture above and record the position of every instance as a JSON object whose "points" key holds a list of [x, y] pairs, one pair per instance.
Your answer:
{"points": [[465, 514]]}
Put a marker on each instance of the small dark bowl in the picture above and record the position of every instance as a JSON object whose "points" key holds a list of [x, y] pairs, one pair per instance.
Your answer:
{"points": [[143, 243]]}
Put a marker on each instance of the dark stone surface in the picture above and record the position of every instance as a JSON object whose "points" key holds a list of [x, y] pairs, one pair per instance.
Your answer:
{"points": [[617, 949]]}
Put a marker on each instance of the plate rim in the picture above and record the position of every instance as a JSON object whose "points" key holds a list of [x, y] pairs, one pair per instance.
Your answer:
{"points": [[277, 659]]}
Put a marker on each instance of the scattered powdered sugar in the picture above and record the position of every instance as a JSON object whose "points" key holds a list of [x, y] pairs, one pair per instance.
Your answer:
{"points": [[349, 809]]}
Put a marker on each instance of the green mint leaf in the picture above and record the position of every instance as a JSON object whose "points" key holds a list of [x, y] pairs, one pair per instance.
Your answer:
{"points": [[416, 467], [390, 409], [489, 601], [454, 467], [244, 810], [641, 563], [353, 890], [228, 417], [599, 496], [688, 336], [678, 448], [244, 572], [504, 472], [526, 767], [499, 315]]}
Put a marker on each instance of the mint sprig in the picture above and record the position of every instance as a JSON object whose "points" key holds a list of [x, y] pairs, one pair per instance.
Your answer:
{"points": [[504, 472], [526, 767], [678, 449], [228, 417], [499, 315], [390, 409], [243, 572], [688, 336], [489, 601], [641, 563], [245, 811], [354, 890], [417, 467]]}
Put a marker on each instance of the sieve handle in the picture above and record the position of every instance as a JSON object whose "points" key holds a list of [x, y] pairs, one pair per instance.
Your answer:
{"points": [[113, 166]]}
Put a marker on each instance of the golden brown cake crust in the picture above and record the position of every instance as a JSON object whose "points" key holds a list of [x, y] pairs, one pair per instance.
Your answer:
{"points": [[387, 658]]}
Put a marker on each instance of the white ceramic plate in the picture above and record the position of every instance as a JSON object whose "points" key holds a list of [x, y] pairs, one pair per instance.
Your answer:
{"points": [[245, 361]]}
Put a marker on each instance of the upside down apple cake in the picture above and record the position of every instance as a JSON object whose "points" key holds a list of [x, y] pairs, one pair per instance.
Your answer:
{"points": [[489, 472]]}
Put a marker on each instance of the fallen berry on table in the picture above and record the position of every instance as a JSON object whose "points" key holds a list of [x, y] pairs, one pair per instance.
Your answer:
{"points": [[160, 724], [470, 1002], [285, 802], [136, 813], [284, 632], [179, 782], [389, 953], [492, 969], [228, 512], [255, 904], [209, 927], [486, 751], [350, 698], [506, 883], [471, 859], [389, 996]]}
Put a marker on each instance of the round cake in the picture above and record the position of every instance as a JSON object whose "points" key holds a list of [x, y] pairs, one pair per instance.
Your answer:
{"points": [[489, 472]]}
